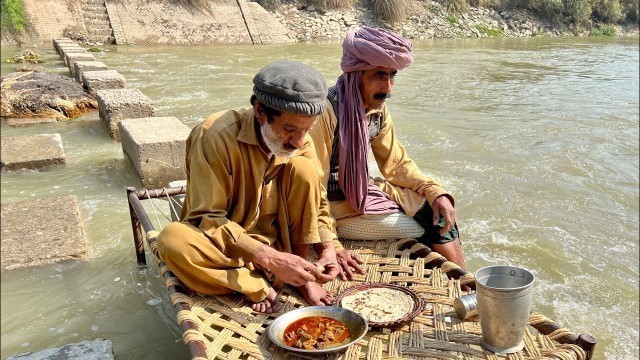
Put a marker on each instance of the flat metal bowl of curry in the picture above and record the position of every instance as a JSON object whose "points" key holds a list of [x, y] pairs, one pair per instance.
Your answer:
{"points": [[317, 329]]}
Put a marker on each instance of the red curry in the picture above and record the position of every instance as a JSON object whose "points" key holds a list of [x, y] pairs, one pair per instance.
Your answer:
{"points": [[315, 332]]}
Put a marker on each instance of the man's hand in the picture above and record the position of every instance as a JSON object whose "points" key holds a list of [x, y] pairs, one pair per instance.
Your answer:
{"points": [[442, 207], [292, 269], [349, 262], [327, 260]]}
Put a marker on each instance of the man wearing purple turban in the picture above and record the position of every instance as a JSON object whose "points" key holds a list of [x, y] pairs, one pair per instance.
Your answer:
{"points": [[405, 203]]}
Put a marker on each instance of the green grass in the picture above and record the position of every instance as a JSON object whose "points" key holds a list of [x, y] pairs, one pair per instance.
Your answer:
{"points": [[13, 17], [452, 19], [604, 30], [490, 32]]}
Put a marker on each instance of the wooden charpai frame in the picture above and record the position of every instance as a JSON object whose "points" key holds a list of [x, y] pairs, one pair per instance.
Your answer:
{"points": [[224, 327]]}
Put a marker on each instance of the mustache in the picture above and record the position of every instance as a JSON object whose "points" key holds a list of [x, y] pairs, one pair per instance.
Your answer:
{"points": [[381, 96], [289, 147]]}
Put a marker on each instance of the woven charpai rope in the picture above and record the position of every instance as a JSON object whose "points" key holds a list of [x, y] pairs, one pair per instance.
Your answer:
{"points": [[230, 330]]}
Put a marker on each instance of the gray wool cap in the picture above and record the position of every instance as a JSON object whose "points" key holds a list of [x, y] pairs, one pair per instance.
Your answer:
{"points": [[292, 87]]}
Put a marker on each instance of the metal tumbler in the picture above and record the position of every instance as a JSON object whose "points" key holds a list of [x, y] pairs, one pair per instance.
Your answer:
{"points": [[504, 301]]}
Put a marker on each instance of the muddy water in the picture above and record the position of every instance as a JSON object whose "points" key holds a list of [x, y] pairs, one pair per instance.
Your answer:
{"points": [[536, 138]]}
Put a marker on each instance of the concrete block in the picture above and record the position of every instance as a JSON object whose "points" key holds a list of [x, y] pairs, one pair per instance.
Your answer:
{"points": [[21, 122], [176, 201], [31, 152], [103, 79], [117, 104], [62, 41], [64, 49], [81, 66], [156, 148], [42, 231], [71, 58], [98, 349]]}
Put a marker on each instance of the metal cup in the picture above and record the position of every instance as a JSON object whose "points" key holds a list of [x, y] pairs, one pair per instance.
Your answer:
{"points": [[504, 301], [466, 306]]}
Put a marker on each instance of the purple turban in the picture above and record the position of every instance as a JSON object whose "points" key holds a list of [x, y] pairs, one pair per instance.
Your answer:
{"points": [[365, 50]]}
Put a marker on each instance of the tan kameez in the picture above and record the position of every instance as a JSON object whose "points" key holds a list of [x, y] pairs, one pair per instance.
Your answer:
{"points": [[237, 199], [403, 182]]}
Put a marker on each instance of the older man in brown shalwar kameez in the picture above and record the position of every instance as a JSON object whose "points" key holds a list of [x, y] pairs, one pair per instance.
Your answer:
{"points": [[254, 204]]}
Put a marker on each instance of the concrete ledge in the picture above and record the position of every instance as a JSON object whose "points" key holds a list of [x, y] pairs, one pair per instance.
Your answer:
{"points": [[43, 231], [31, 152], [115, 105], [80, 67], [156, 148], [22, 122], [71, 58], [103, 79], [98, 349]]}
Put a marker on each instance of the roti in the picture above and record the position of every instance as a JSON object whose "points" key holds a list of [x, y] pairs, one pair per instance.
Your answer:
{"points": [[379, 305]]}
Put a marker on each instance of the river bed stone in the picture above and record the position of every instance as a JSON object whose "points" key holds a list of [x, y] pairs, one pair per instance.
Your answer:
{"points": [[34, 152], [42, 231], [43, 94]]}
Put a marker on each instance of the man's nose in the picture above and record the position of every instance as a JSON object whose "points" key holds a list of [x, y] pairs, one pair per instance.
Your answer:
{"points": [[388, 85], [297, 140]]}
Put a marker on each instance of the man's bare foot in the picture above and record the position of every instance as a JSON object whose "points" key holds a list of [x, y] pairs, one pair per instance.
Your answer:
{"points": [[269, 305], [316, 294]]}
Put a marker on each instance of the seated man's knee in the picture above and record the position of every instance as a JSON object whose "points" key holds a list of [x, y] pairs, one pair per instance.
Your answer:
{"points": [[171, 241], [302, 170]]}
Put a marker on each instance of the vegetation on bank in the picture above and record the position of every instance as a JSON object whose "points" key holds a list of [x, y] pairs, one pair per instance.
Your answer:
{"points": [[12, 16], [581, 14]]}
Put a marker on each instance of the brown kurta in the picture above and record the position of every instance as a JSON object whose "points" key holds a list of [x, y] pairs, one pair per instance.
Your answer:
{"points": [[403, 182], [237, 199]]}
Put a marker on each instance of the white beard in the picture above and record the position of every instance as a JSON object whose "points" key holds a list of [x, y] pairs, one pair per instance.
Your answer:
{"points": [[273, 142]]}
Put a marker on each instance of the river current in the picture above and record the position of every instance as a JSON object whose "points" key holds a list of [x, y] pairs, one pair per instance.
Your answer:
{"points": [[536, 138]]}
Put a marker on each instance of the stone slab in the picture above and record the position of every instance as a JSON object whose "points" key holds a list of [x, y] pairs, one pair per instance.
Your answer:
{"points": [[156, 148], [98, 349], [80, 67], [31, 152], [115, 105], [42, 231], [103, 79], [64, 49], [62, 41], [22, 122], [71, 58]]}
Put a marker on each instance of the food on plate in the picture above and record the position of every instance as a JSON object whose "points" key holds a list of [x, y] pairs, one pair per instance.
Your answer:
{"points": [[315, 332], [379, 305]]}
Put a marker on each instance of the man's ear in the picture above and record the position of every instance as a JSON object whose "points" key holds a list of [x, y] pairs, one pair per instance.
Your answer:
{"points": [[261, 116]]}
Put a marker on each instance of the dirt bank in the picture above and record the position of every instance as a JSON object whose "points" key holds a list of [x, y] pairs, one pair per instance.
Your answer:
{"points": [[424, 20]]}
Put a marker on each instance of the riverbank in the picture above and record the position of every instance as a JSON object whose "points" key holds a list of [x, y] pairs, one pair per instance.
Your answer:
{"points": [[171, 24], [427, 20]]}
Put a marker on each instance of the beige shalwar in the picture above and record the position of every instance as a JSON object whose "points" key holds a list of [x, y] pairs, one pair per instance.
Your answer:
{"points": [[403, 182], [239, 198]]}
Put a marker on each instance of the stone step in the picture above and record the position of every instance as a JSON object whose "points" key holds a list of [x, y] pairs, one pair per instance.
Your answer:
{"points": [[105, 23], [94, 16], [93, 9], [99, 31]]}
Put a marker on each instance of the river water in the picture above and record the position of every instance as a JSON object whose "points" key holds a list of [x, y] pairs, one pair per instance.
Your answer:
{"points": [[536, 138]]}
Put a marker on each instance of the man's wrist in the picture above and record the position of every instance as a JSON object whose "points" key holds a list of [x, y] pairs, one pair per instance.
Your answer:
{"points": [[262, 257]]}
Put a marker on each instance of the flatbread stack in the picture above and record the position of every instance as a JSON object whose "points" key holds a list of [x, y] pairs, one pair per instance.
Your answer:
{"points": [[380, 304]]}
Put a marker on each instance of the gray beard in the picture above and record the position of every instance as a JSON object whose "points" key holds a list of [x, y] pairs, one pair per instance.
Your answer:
{"points": [[274, 144]]}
